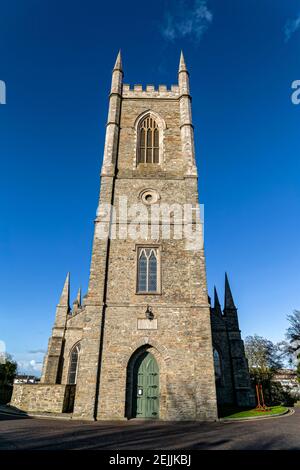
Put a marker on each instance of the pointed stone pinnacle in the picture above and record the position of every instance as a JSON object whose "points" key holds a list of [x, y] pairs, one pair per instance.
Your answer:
{"points": [[216, 298], [78, 298], [65, 295], [118, 64], [228, 302], [217, 306], [182, 66]]}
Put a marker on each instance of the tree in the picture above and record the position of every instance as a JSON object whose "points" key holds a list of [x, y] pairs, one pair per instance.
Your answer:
{"points": [[293, 331], [293, 336], [298, 369], [291, 347], [263, 356], [8, 370], [264, 360]]}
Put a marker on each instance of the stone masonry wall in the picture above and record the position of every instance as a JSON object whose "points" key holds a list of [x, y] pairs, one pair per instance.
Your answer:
{"points": [[182, 341], [39, 397]]}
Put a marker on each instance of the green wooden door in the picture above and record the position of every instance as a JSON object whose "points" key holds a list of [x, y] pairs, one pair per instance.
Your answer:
{"points": [[146, 387]]}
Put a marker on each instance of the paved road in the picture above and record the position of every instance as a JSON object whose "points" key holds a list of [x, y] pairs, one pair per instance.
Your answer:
{"points": [[39, 434]]}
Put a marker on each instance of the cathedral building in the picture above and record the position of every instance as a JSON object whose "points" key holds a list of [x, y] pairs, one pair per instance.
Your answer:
{"points": [[145, 341]]}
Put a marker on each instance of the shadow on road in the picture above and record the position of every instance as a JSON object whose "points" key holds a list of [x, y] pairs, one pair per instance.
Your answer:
{"points": [[11, 413], [49, 434]]}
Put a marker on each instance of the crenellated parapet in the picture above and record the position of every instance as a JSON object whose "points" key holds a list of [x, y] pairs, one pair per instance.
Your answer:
{"points": [[150, 91]]}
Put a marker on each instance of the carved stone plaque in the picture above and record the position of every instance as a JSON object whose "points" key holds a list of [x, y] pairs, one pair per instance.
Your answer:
{"points": [[145, 324]]}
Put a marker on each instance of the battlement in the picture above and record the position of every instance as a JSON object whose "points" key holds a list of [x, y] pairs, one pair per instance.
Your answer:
{"points": [[150, 92]]}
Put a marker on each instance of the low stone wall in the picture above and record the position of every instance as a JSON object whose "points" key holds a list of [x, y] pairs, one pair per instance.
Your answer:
{"points": [[41, 397]]}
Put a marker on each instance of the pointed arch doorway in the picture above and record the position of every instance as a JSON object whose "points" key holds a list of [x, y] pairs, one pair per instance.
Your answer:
{"points": [[145, 387]]}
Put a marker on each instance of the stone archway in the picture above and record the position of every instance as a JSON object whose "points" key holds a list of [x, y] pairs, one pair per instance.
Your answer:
{"points": [[145, 390], [145, 384]]}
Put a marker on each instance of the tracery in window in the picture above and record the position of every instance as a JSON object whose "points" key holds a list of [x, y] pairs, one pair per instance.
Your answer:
{"points": [[148, 141], [147, 275], [74, 359], [218, 367]]}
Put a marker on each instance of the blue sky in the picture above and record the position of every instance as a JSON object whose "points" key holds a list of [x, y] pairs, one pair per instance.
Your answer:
{"points": [[56, 60]]}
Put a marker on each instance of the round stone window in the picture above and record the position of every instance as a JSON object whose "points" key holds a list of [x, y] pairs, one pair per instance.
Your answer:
{"points": [[149, 196]]}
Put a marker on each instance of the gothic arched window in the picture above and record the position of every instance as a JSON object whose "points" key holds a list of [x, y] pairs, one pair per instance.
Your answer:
{"points": [[147, 270], [218, 367], [74, 359], [148, 141]]}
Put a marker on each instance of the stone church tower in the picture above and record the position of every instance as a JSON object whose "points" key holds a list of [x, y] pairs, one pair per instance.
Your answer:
{"points": [[141, 343]]}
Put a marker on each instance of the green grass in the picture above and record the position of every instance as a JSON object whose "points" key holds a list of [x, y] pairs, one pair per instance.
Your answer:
{"points": [[249, 413]]}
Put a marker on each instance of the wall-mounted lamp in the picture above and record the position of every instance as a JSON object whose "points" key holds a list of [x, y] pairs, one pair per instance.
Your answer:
{"points": [[149, 313]]}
